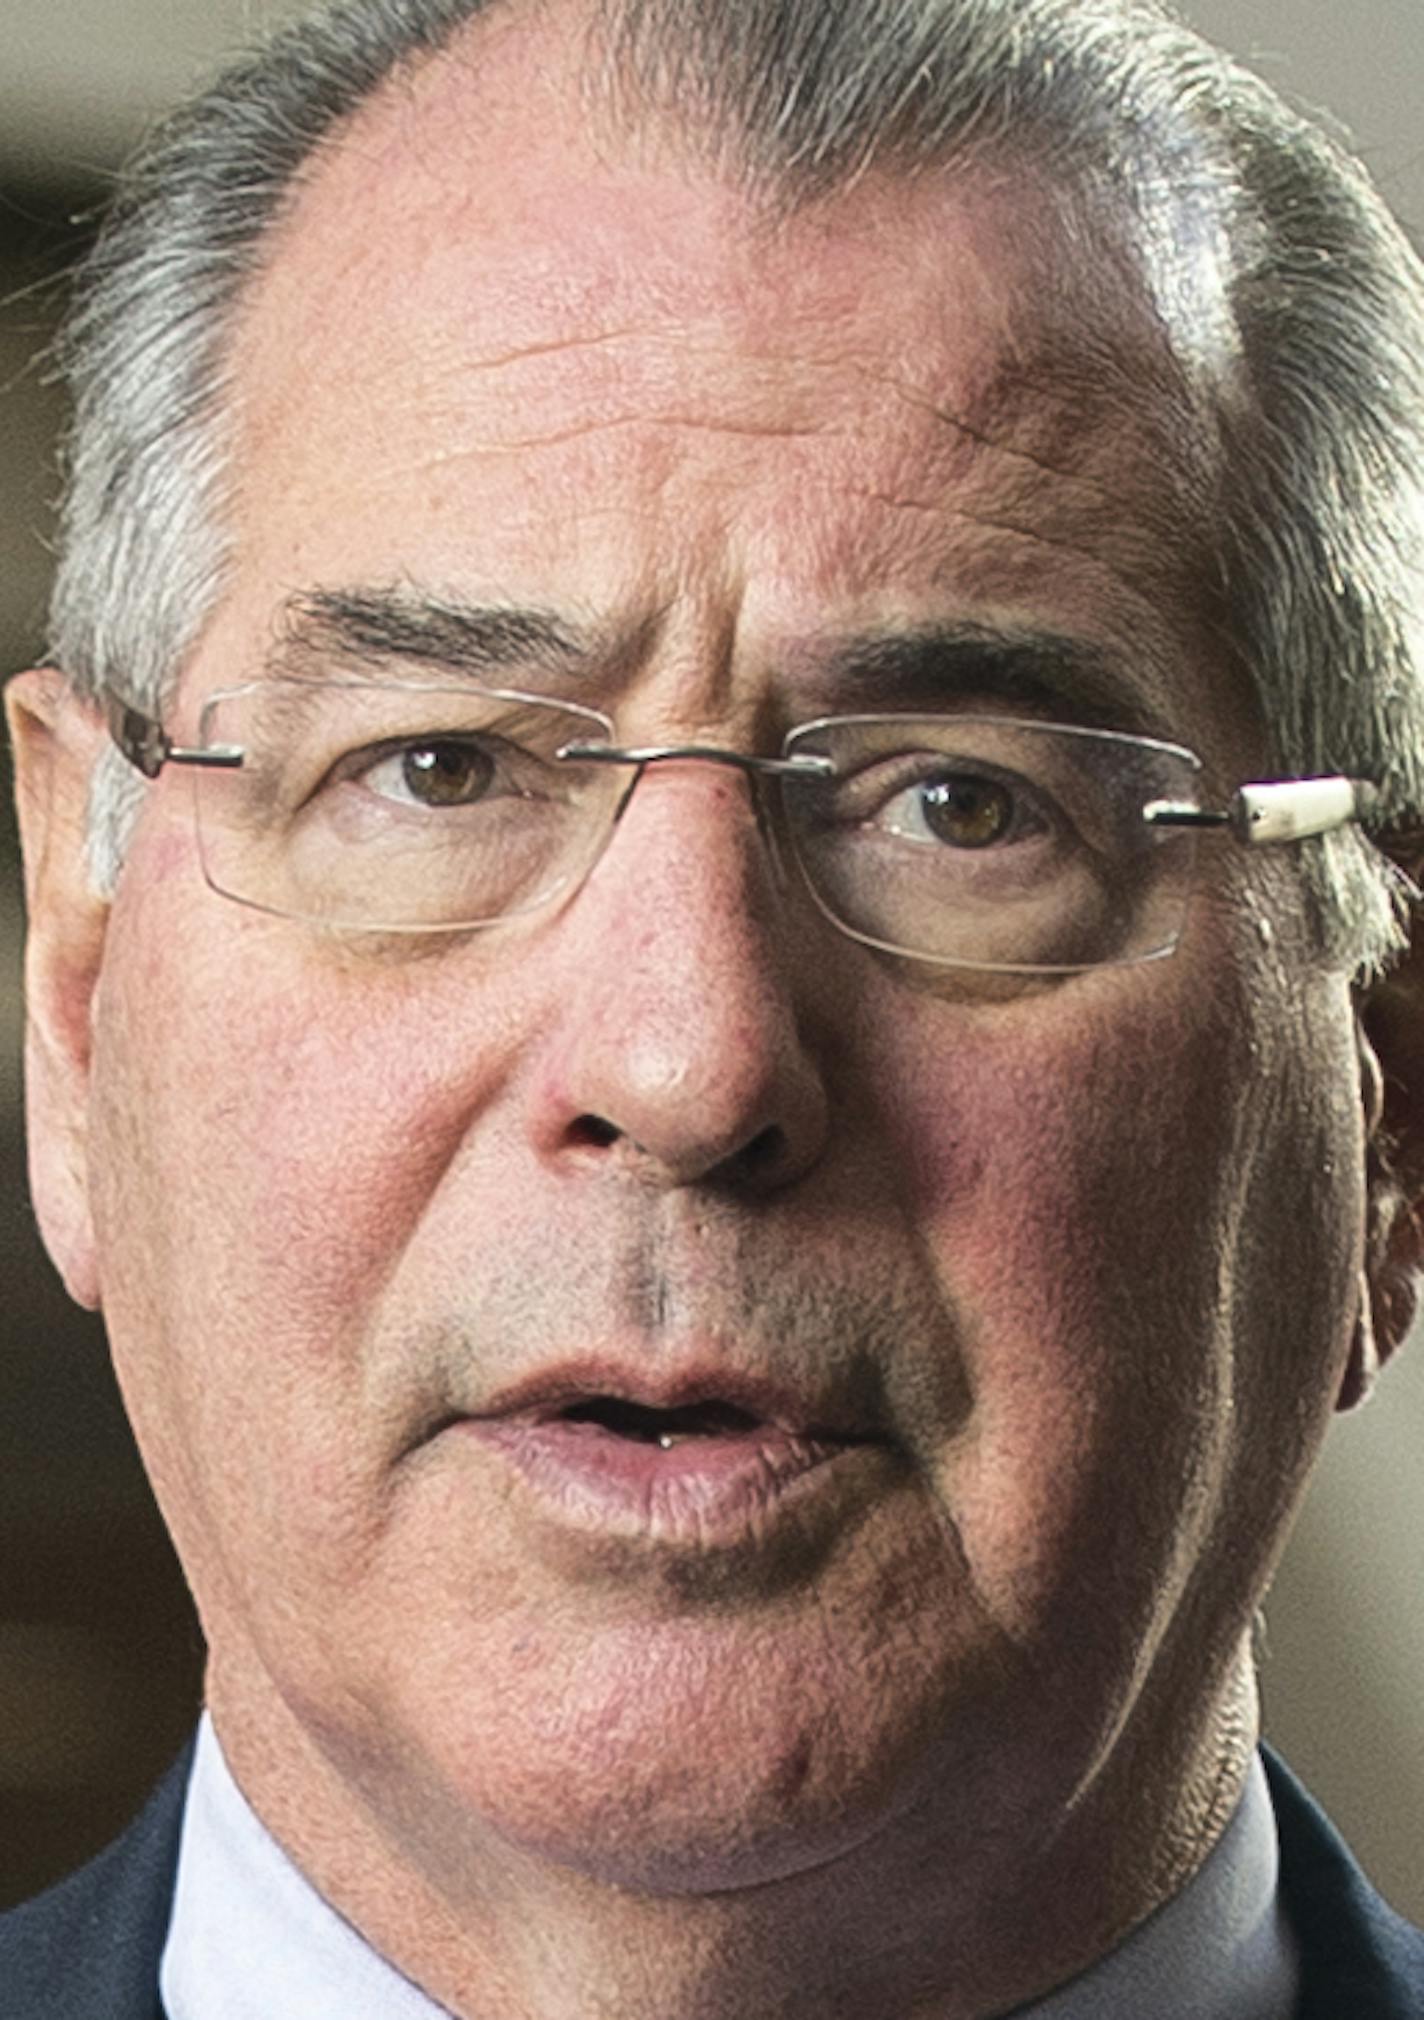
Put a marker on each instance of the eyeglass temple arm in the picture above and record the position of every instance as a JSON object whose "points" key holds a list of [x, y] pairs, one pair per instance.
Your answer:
{"points": [[1282, 811], [148, 746], [1285, 810]]}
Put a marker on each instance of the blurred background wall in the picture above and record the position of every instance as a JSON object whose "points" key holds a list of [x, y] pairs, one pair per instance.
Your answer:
{"points": [[99, 1655]]}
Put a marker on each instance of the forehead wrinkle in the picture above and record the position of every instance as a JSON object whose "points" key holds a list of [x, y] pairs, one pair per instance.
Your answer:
{"points": [[449, 163], [805, 375], [1038, 533], [1030, 433], [1001, 385], [1041, 403], [970, 559], [553, 346], [569, 280], [1117, 623], [689, 423], [964, 441]]}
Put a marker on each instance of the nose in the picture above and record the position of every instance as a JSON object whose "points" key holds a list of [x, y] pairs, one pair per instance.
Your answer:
{"points": [[680, 1050]]}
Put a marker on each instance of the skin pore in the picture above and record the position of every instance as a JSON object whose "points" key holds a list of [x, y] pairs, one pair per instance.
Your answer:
{"points": [[1076, 1260]]}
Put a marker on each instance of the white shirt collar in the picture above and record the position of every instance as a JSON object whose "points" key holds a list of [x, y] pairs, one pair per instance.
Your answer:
{"points": [[251, 1939], [1221, 1949]]}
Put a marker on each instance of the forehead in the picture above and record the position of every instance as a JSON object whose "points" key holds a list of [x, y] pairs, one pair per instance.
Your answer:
{"points": [[499, 353]]}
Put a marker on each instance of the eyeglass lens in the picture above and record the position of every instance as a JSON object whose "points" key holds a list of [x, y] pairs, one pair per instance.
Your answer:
{"points": [[971, 841]]}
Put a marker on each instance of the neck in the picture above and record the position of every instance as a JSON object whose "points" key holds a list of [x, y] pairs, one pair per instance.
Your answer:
{"points": [[911, 1923]]}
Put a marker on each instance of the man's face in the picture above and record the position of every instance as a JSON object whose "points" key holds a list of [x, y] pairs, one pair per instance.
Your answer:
{"points": [[1065, 1267]]}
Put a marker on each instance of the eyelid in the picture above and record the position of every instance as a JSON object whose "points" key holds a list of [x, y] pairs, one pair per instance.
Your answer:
{"points": [[365, 757], [515, 772], [1040, 813], [911, 767]]}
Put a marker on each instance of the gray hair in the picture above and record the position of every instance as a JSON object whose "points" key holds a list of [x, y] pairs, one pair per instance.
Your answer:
{"points": [[1293, 303]]}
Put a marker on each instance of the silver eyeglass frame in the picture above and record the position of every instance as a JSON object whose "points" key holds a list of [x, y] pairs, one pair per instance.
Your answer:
{"points": [[1262, 812], [1258, 813], [148, 747]]}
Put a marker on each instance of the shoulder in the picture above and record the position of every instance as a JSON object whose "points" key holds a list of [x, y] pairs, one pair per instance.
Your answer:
{"points": [[1358, 1957], [89, 1949]]}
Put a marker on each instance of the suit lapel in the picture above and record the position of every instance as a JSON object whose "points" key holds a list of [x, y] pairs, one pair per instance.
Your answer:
{"points": [[90, 1948]]}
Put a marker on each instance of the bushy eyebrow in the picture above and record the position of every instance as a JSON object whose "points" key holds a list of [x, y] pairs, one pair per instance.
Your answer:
{"points": [[379, 629], [945, 665], [958, 664]]}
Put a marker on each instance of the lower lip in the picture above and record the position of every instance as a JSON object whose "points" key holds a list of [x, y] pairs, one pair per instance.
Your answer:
{"points": [[708, 1492]]}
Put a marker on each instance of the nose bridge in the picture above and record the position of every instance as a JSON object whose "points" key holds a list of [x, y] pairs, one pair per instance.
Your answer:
{"points": [[759, 776], [680, 1044], [693, 828], [715, 802]]}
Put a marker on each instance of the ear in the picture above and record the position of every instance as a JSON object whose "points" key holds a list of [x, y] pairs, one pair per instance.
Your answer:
{"points": [[56, 740], [1391, 1040]]}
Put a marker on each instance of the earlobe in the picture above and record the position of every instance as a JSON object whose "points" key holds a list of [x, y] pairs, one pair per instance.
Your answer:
{"points": [[1390, 1034], [56, 740]]}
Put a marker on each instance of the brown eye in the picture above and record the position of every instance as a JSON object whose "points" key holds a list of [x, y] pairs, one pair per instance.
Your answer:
{"points": [[447, 774], [965, 811]]}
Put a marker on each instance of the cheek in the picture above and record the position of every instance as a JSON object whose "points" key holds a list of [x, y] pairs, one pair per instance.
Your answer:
{"points": [[262, 1151], [1065, 1170], [1081, 1186], [286, 1119]]}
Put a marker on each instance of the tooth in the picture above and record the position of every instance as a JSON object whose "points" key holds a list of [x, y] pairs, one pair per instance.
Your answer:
{"points": [[667, 1439]]}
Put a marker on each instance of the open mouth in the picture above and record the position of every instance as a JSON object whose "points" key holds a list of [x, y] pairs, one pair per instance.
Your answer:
{"points": [[648, 1426], [697, 1463]]}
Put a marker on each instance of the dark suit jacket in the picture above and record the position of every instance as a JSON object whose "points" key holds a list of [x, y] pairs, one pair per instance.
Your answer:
{"points": [[89, 1949]]}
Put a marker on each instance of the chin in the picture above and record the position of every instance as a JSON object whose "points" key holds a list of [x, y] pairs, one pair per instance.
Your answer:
{"points": [[688, 1826], [670, 1759]]}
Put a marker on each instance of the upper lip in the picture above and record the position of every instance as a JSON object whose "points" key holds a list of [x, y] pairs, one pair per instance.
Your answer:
{"points": [[545, 1396]]}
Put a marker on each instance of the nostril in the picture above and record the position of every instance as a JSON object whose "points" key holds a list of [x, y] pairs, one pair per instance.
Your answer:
{"points": [[765, 1151], [592, 1132]]}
